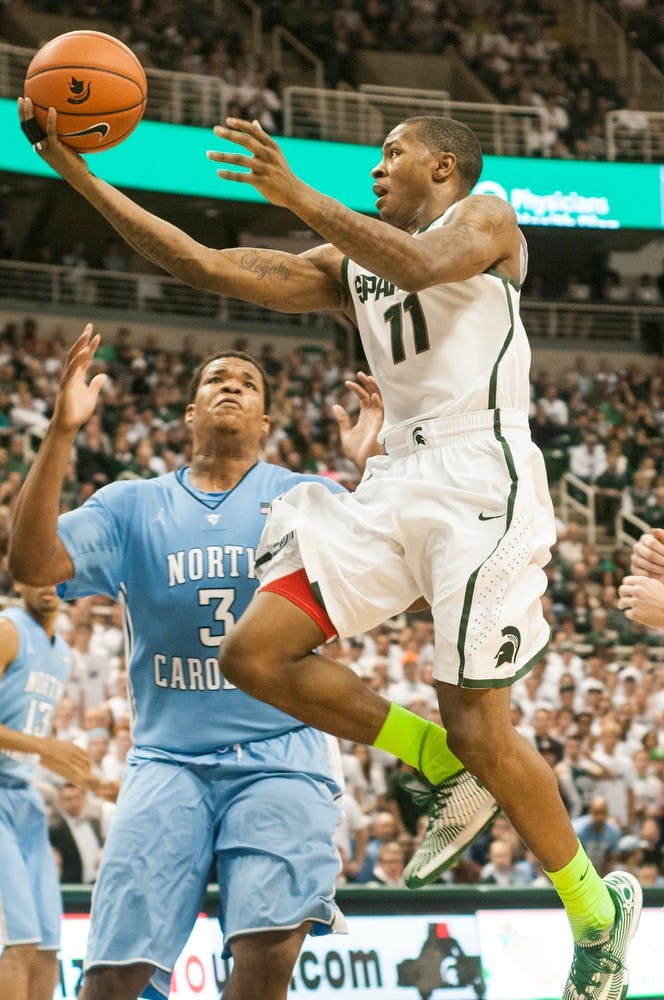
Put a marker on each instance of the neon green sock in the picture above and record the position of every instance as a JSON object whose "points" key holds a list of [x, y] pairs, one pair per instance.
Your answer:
{"points": [[586, 899], [418, 742]]}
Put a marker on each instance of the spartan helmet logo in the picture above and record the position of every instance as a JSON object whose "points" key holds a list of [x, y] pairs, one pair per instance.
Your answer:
{"points": [[510, 647], [418, 436]]}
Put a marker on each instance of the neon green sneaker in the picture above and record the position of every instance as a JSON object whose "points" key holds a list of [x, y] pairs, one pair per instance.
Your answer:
{"points": [[459, 809], [598, 970]]}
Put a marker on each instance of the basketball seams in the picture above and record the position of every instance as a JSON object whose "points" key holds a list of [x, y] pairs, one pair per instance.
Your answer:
{"points": [[89, 69], [88, 114], [85, 33], [118, 44]]}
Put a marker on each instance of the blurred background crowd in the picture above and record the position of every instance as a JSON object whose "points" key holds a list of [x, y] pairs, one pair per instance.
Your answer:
{"points": [[517, 49]]}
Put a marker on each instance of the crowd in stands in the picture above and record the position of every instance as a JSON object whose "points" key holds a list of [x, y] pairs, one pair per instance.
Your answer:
{"points": [[199, 38], [643, 22], [593, 706], [517, 49]]}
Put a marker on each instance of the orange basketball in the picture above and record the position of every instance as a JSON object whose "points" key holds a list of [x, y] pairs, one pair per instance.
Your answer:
{"points": [[95, 83]]}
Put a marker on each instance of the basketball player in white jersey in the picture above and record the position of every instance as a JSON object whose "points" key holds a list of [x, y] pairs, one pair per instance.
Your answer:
{"points": [[460, 806], [456, 509]]}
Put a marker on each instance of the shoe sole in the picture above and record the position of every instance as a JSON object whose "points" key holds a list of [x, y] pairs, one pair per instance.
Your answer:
{"points": [[481, 822]]}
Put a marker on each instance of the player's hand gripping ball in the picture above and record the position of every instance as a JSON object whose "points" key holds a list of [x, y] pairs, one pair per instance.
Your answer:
{"points": [[95, 83]]}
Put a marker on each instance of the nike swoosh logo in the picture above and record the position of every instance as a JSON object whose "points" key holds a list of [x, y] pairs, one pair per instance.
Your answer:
{"points": [[581, 877], [489, 517], [101, 127]]}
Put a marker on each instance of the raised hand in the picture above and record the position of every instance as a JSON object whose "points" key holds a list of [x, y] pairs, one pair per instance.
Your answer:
{"points": [[266, 168], [359, 441], [61, 158], [76, 398]]}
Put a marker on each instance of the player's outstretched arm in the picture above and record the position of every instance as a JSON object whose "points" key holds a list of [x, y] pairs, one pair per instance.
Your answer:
{"points": [[482, 233], [281, 281], [71, 762], [36, 554]]}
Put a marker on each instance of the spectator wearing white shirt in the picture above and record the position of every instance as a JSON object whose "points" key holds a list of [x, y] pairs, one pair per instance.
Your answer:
{"points": [[388, 870], [570, 546], [520, 724], [502, 868], [27, 411], [87, 684], [118, 704], [647, 788], [65, 720], [76, 837], [365, 778], [555, 409], [568, 694], [411, 687], [97, 744], [630, 120], [351, 837], [628, 680], [562, 659], [107, 631], [646, 291], [528, 692], [618, 789], [114, 763], [588, 460]]}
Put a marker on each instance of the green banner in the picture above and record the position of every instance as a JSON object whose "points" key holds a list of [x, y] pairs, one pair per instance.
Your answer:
{"points": [[171, 158]]}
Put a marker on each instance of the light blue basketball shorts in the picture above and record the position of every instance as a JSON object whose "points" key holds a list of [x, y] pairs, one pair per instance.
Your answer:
{"points": [[30, 901], [269, 824]]}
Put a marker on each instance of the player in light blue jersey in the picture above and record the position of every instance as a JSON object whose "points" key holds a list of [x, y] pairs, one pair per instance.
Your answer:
{"points": [[34, 666], [213, 772]]}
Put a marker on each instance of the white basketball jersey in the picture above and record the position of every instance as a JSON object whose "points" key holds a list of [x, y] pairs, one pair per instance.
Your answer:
{"points": [[449, 349]]}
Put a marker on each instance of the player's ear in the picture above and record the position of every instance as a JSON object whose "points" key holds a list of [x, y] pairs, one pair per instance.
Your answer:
{"points": [[445, 164], [265, 426], [189, 413]]}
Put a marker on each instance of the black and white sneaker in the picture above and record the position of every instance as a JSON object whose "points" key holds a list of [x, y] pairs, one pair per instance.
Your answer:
{"points": [[460, 809]]}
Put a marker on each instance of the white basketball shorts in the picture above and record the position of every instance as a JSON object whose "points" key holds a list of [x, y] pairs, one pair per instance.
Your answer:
{"points": [[458, 511]]}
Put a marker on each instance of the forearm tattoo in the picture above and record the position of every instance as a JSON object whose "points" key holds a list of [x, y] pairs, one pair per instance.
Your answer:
{"points": [[263, 267]]}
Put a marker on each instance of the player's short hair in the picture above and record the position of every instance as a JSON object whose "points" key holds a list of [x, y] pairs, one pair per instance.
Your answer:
{"points": [[446, 135], [197, 375]]}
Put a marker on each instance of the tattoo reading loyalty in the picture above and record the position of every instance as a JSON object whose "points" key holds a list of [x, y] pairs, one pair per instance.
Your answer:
{"points": [[260, 266]]}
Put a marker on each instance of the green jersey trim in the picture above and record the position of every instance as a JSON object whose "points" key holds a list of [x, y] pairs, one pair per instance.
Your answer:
{"points": [[344, 276], [493, 381], [472, 580], [516, 285], [507, 681]]}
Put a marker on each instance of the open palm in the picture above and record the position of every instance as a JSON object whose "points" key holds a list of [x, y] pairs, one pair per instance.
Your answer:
{"points": [[77, 398]]}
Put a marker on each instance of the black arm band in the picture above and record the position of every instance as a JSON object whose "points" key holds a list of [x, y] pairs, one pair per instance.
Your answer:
{"points": [[33, 130]]}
